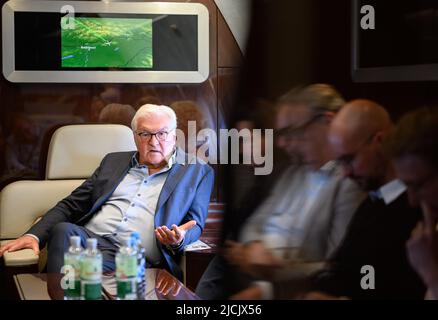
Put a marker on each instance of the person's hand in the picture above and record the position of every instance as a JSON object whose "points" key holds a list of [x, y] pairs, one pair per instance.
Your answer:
{"points": [[24, 242], [422, 248], [252, 258], [250, 293], [175, 236], [234, 253]]}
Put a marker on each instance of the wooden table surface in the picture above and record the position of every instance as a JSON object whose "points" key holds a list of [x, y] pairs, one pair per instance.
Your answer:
{"points": [[160, 285]]}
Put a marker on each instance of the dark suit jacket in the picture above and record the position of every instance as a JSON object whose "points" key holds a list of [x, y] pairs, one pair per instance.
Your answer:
{"points": [[185, 196], [377, 236]]}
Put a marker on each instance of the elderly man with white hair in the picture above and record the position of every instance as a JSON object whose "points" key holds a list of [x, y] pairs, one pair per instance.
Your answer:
{"points": [[158, 191]]}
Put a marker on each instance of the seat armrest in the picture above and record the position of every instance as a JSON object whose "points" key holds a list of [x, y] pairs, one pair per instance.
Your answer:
{"points": [[23, 257]]}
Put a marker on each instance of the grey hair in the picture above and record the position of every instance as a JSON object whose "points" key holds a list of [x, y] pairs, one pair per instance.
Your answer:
{"points": [[152, 109], [317, 97]]}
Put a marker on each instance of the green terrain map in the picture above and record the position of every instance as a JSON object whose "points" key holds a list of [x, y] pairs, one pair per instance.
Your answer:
{"points": [[107, 43]]}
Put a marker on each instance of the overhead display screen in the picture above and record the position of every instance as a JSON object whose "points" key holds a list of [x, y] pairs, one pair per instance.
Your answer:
{"points": [[403, 46], [106, 42], [145, 42]]}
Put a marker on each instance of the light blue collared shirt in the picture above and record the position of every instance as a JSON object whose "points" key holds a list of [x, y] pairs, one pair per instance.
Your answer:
{"points": [[309, 210], [132, 207], [389, 192]]}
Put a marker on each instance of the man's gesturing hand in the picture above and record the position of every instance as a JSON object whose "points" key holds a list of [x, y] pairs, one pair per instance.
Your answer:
{"points": [[252, 258], [24, 242], [175, 236]]}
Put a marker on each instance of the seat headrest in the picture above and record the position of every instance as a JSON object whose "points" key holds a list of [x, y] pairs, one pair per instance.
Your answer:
{"points": [[75, 151]]}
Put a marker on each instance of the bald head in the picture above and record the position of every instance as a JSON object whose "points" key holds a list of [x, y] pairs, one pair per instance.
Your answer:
{"points": [[355, 137], [359, 119]]}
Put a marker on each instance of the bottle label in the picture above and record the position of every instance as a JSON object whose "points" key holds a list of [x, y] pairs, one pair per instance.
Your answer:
{"points": [[73, 292], [126, 267], [91, 269], [91, 290], [75, 263], [127, 289]]}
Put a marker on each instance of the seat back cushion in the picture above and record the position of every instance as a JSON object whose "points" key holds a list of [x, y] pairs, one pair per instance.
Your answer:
{"points": [[75, 151]]}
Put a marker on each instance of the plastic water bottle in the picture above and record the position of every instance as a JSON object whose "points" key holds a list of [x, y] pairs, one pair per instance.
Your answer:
{"points": [[72, 259], [91, 272], [141, 266], [126, 271]]}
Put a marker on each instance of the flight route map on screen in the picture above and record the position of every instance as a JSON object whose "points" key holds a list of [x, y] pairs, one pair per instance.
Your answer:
{"points": [[107, 43]]}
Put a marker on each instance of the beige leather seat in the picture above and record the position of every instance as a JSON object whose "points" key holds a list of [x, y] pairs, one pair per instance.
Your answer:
{"points": [[75, 151]]}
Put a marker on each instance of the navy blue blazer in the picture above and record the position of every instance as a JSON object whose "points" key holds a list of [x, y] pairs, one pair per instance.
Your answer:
{"points": [[185, 196]]}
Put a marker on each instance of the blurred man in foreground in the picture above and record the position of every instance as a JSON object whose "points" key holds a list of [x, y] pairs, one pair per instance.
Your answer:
{"points": [[414, 148], [308, 211], [371, 263]]}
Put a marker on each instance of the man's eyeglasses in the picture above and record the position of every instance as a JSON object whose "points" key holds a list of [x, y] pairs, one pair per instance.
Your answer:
{"points": [[147, 136]]}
